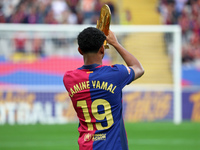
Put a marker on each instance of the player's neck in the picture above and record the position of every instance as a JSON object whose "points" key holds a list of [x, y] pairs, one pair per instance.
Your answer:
{"points": [[92, 58]]}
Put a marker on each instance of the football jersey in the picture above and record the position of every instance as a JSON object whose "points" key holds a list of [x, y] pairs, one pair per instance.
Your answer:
{"points": [[96, 94]]}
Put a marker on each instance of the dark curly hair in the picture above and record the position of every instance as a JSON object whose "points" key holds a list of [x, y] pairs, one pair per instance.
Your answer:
{"points": [[90, 40]]}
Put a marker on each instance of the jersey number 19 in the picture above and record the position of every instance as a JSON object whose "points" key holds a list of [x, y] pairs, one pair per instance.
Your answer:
{"points": [[94, 107]]}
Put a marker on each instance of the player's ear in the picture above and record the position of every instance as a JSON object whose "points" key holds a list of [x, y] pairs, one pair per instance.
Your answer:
{"points": [[102, 49], [80, 51]]}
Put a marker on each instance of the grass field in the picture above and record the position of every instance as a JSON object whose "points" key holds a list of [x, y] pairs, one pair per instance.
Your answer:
{"points": [[141, 136]]}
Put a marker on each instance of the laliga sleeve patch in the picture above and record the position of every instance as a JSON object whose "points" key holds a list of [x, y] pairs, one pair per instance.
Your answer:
{"points": [[128, 69]]}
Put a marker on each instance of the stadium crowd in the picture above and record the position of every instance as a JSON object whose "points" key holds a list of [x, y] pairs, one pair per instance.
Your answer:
{"points": [[186, 13], [50, 11]]}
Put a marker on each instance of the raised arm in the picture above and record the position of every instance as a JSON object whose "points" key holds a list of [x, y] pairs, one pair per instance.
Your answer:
{"points": [[130, 60]]}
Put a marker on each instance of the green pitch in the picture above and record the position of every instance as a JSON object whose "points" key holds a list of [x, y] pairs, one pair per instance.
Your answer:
{"points": [[141, 136]]}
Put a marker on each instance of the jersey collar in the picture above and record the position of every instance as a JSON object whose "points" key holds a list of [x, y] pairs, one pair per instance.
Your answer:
{"points": [[89, 66]]}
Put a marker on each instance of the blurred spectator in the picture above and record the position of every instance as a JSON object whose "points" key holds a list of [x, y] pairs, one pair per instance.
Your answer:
{"points": [[113, 12], [42, 10], [97, 6], [187, 55], [69, 18], [8, 7], [80, 17], [58, 7], [96, 11], [171, 16], [37, 45], [20, 42], [180, 5], [19, 15], [87, 6], [184, 22], [49, 19], [2, 18], [32, 16], [73, 5]]}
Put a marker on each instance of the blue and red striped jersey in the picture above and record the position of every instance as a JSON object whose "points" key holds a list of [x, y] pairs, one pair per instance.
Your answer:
{"points": [[96, 94]]}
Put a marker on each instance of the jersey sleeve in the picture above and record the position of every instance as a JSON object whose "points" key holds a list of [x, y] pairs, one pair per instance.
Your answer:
{"points": [[126, 74]]}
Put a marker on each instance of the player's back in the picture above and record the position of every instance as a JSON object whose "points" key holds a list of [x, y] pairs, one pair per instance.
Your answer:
{"points": [[96, 94]]}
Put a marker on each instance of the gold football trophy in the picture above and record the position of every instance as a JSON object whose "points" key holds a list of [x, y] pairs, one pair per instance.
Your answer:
{"points": [[103, 23]]}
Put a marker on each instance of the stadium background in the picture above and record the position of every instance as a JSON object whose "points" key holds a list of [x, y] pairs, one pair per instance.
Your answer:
{"points": [[31, 89]]}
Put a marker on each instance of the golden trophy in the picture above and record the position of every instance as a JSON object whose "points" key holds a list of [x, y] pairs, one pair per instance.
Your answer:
{"points": [[103, 23]]}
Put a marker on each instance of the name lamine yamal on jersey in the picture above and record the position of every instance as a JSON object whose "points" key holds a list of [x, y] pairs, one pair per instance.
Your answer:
{"points": [[95, 84]]}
